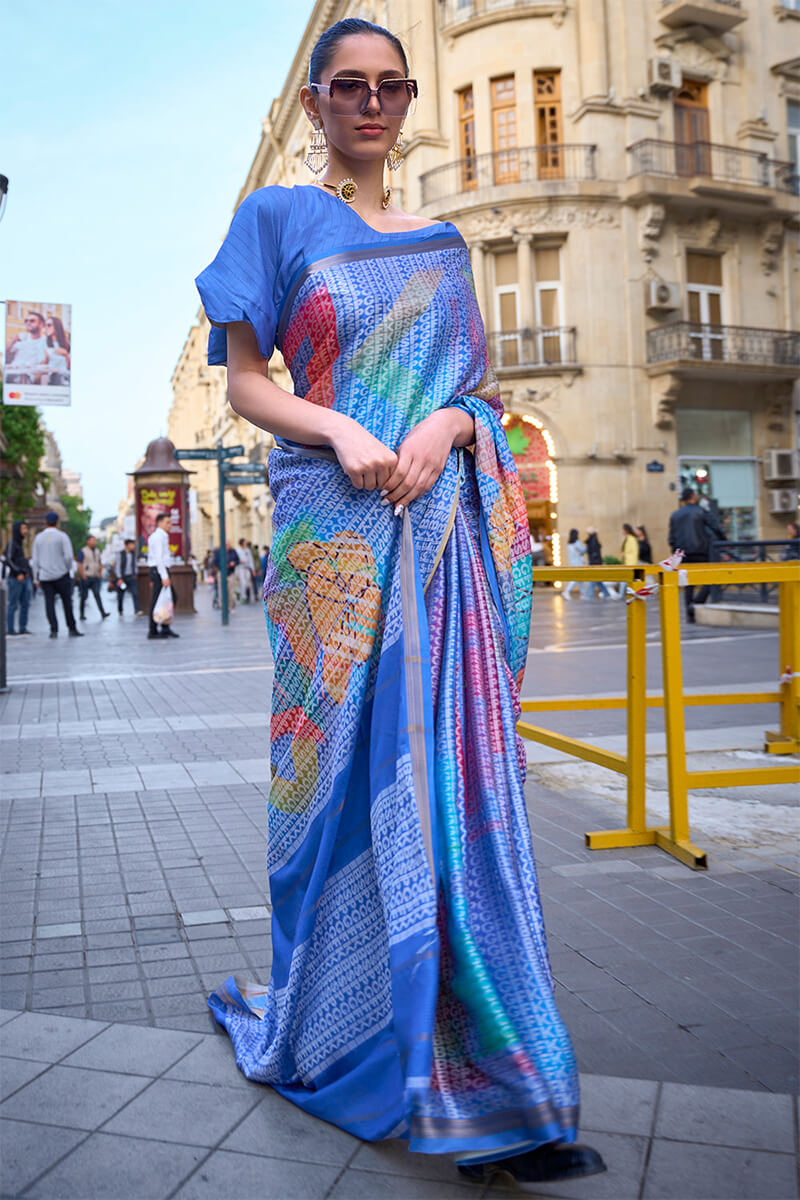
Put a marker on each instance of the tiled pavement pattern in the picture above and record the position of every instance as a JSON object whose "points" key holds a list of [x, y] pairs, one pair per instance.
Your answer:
{"points": [[134, 881], [96, 1110]]}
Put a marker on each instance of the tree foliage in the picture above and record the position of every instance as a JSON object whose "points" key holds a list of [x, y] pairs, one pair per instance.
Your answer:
{"points": [[21, 476], [78, 521]]}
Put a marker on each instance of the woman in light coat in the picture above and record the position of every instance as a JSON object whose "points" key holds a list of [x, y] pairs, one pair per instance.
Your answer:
{"points": [[576, 557]]}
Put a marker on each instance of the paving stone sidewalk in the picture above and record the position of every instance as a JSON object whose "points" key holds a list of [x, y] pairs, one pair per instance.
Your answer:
{"points": [[99, 1111], [133, 882]]}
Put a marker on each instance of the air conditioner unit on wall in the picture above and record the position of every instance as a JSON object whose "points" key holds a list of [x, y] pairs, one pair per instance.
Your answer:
{"points": [[661, 297], [666, 74], [783, 500], [780, 466]]}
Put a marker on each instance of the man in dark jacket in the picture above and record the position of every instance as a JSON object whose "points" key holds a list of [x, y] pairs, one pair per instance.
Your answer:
{"points": [[126, 576], [20, 578], [692, 530]]}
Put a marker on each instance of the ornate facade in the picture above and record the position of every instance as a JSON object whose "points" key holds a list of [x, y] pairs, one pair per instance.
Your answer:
{"points": [[626, 177]]}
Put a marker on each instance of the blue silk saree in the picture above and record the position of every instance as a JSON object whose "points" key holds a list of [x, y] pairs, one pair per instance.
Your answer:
{"points": [[410, 992]]}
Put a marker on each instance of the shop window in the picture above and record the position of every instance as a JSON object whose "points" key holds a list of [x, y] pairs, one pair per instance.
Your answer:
{"points": [[504, 130], [704, 303], [466, 127], [715, 457], [548, 123]]}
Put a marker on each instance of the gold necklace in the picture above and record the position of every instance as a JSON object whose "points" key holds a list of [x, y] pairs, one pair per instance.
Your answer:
{"points": [[346, 191]]}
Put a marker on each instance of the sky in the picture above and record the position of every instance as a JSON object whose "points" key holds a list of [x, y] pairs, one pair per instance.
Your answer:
{"points": [[126, 132]]}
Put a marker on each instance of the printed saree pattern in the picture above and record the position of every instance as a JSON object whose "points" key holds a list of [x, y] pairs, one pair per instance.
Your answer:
{"points": [[410, 992]]}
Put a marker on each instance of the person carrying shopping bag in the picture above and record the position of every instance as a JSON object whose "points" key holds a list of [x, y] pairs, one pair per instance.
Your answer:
{"points": [[158, 565]]}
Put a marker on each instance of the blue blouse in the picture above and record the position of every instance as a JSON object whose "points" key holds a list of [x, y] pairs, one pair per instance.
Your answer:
{"points": [[275, 233]]}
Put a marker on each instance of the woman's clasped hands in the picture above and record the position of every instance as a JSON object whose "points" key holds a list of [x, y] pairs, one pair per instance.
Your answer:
{"points": [[416, 466]]}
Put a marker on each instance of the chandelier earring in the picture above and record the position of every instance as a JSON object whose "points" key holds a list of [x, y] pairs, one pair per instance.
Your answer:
{"points": [[395, 156], [317, 158]]}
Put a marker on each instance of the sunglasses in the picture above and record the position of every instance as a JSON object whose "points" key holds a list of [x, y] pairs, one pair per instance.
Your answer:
{"points": [[351, 96]]}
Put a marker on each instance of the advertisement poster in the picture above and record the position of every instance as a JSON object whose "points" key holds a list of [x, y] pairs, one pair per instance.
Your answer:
{"points": [[38, 353], [152, 499]]}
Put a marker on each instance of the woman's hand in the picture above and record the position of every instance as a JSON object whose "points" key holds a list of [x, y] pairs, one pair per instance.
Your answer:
{"points": [[364, 459], [423, 454]]}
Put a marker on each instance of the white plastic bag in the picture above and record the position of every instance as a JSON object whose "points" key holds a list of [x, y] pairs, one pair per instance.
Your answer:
{"points": [[164, 610]]}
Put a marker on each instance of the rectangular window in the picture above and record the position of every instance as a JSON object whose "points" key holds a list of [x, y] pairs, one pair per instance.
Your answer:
{"points": [[548, 124], [466, 125], [793, 122], [504, 130], [704, 299], [692, 137], [547, 271], [506, 309]]}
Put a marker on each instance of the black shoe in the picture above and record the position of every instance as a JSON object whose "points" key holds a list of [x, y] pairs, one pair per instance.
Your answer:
{"points": [[11, 633], [167, 633], [104, 615], [75, 633], [154, 635], [53, 633], [546, 1164], [27, 631]]}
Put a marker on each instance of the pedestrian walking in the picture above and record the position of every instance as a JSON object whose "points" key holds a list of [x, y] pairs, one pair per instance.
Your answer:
{"points": [[231, 563], [594, 557], [90, 574], [51, 562], [792, 548], [576, 557], [158, 567], [244, 571], [20, 579], [127, 582], [630, 547], [645, 549], [410, 993], [692, 529]]}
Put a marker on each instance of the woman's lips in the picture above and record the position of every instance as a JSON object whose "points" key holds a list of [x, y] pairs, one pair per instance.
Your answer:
{"points": [[371, 130]]}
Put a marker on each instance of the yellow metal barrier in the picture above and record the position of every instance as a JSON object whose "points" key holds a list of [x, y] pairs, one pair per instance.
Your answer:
{"points": [[674, 838]]}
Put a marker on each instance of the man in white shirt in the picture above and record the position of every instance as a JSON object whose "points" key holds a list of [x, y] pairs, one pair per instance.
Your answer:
{"points": [[51, 562], [27, 352], [158, 564]]}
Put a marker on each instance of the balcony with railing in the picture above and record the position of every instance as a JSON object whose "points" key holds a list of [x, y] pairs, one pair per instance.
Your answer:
{"points": [[525, 164], [547, 348], [456, 16], [710, 161], [696, 349], [719, 15]]}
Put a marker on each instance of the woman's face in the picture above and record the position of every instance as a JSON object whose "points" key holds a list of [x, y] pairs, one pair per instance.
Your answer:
{"points": [[49, 328], [371, 134]]}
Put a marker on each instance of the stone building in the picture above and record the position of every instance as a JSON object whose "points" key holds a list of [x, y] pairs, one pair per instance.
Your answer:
{"points": [[626, 176]]}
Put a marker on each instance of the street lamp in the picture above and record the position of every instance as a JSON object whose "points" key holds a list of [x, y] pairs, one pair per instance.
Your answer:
{"points": [[3, 194]]}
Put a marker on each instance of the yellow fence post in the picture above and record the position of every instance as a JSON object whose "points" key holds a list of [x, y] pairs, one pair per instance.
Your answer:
{"points": [[788, 740], [637, 715], [677, 841]]}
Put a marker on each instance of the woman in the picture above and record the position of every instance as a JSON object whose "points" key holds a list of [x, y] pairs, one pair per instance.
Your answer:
{"points": [[792, 547], [594, 557], [410, 993], [576, 557], [58, 351], [630, 547], [645, 549]]}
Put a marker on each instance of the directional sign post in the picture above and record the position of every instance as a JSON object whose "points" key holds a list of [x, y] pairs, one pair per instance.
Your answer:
{"points": [[228, 475]]}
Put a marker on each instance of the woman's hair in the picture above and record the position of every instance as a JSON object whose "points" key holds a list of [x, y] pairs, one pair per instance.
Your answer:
{"points": [[643, 532], [327, 42], [793, 525], [59, 331], [628, 529], [573, 535]]}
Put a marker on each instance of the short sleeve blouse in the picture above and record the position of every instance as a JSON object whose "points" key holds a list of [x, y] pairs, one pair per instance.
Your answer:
{"points": [[244, 282]]}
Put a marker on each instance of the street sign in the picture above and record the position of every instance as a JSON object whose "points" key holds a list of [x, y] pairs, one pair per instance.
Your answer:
{"points": [[180, 454], [244, 469], [238, 480], [217, 452]]}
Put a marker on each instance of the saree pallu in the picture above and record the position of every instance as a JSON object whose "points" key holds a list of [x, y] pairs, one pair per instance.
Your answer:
{"points": [[410, 992]]}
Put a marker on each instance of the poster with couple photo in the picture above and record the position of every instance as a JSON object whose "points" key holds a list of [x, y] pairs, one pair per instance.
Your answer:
{"points": [[38, 353]]}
